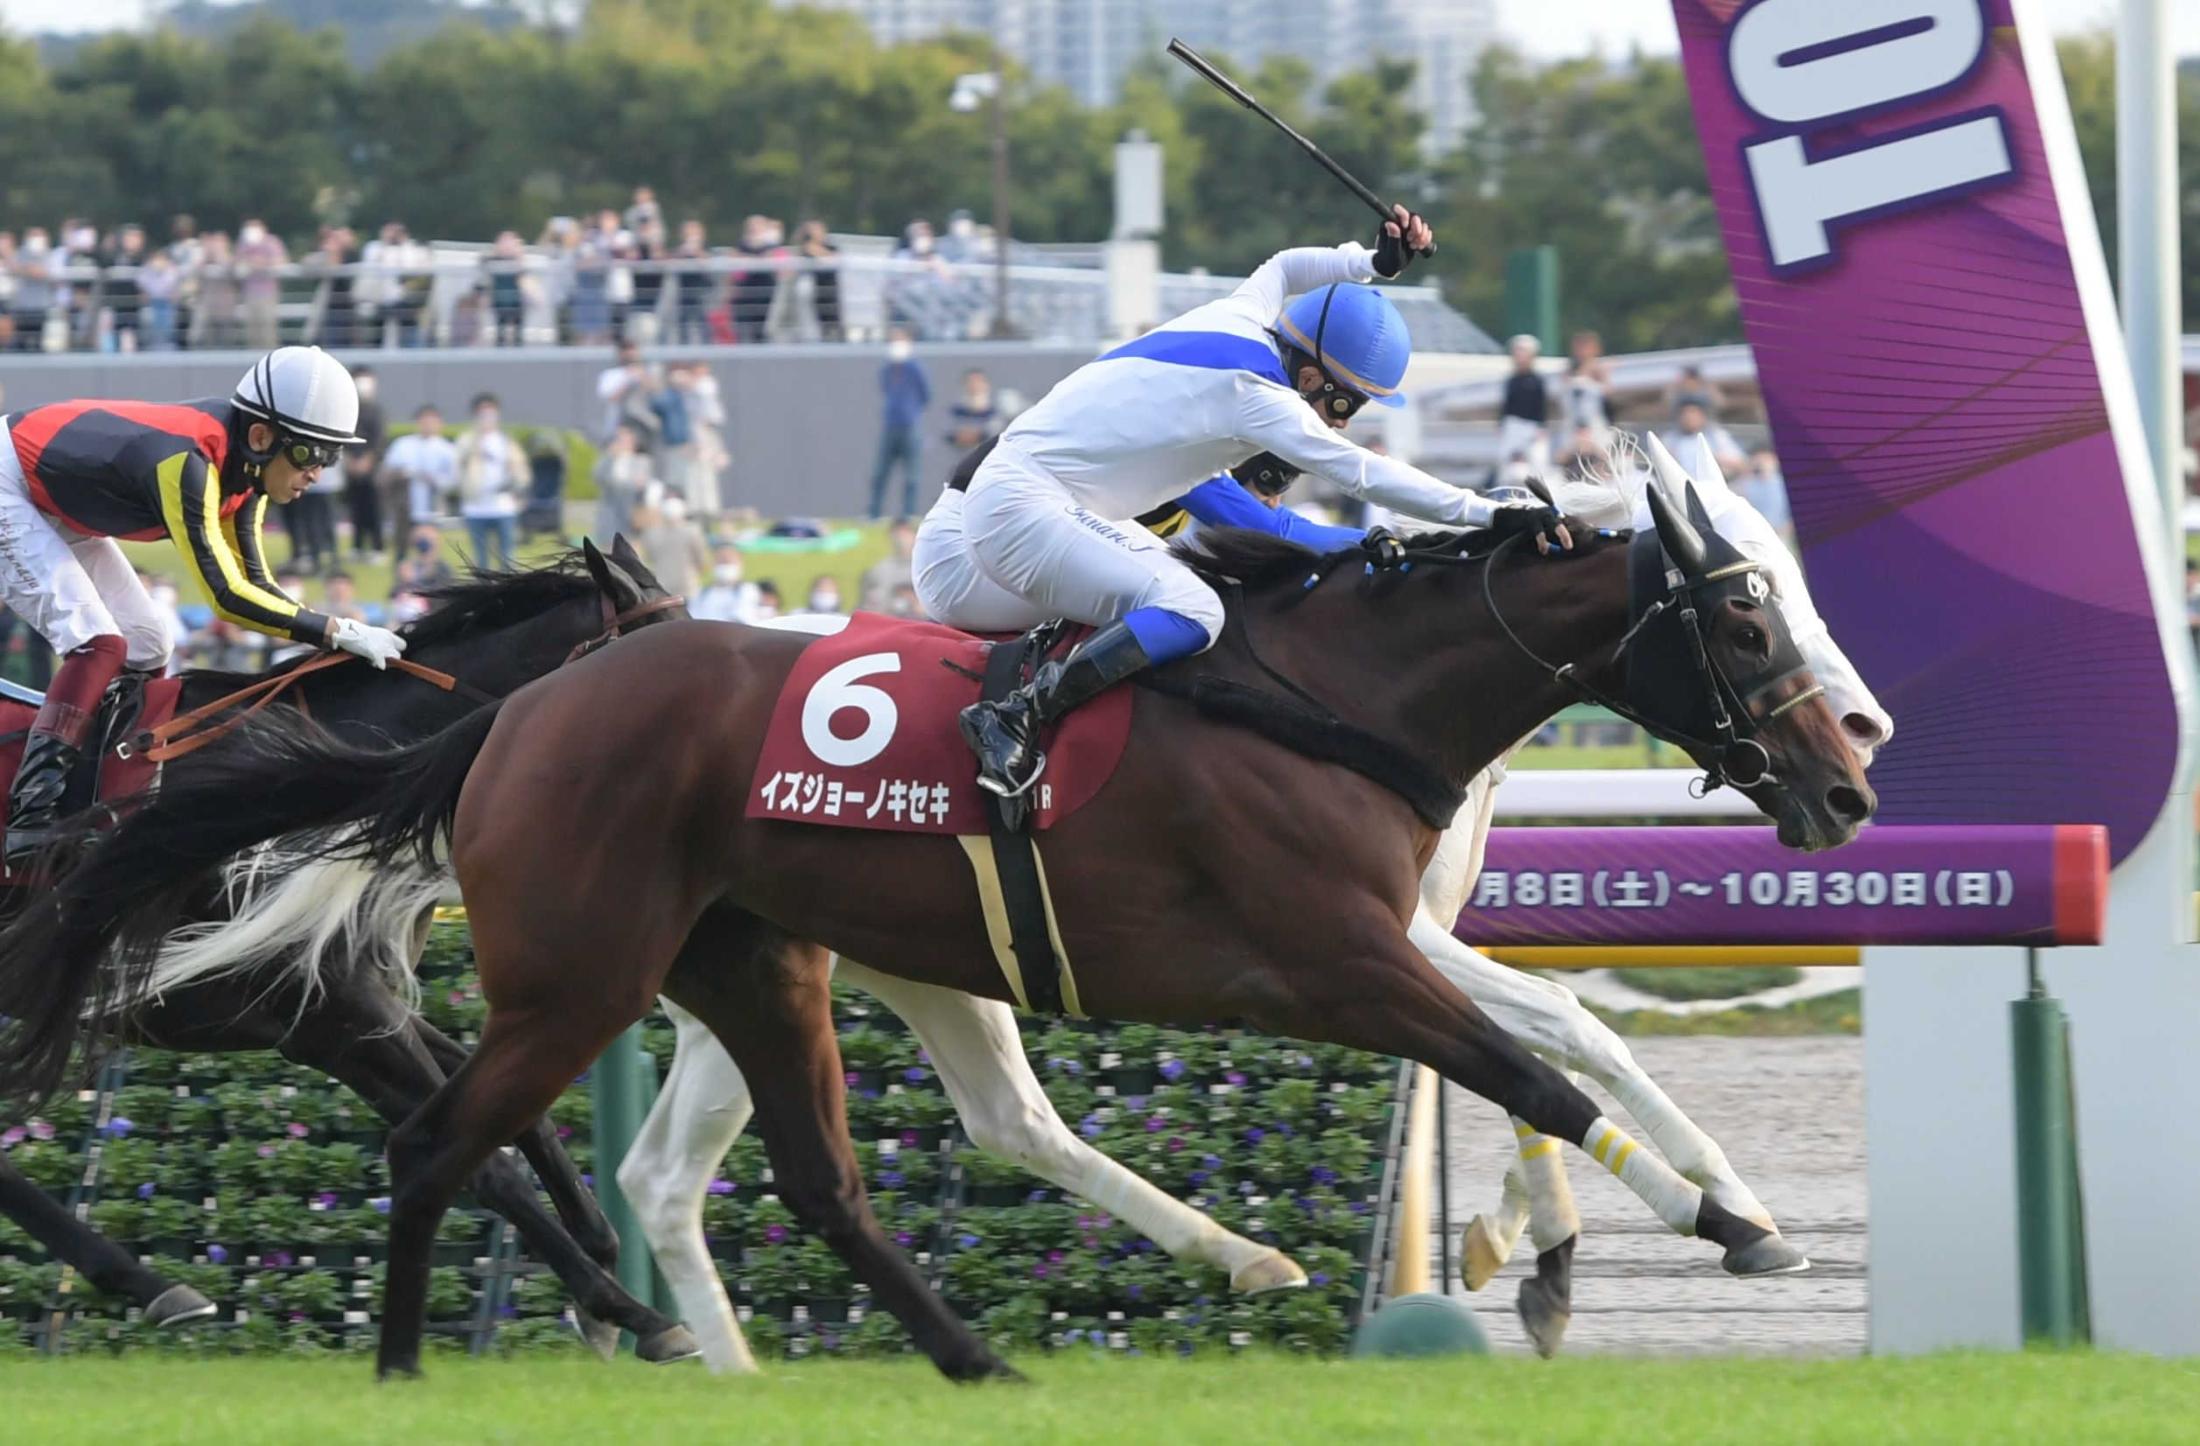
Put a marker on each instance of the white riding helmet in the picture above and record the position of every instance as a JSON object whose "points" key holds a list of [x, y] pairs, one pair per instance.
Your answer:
{"points": [[301, 391]]}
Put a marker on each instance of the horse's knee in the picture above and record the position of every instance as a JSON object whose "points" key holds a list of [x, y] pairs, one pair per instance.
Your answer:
{"points": [[831, 1208], [1028, 1135]]}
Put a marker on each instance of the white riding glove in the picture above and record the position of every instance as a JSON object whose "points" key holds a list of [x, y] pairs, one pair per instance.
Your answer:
{"points": [[376, 645]]}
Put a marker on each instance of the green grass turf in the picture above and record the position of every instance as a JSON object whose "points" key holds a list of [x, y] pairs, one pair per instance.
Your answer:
{"points": [[1729, 981], [1965, 1398]]}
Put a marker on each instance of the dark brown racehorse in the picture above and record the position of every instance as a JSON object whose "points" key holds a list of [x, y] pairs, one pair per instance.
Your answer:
{"points": [[597, 829], [347, 1014]]}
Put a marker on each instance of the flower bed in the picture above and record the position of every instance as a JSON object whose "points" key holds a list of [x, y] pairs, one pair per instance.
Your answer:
{"points": [[264, 1186]]}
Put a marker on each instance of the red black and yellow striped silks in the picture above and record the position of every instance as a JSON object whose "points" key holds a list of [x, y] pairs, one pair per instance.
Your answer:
{"points": [[141, 471]]}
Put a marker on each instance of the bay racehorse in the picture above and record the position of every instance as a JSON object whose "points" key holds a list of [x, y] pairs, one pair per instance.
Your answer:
{"points": [[596, 825], [349, 1012]]}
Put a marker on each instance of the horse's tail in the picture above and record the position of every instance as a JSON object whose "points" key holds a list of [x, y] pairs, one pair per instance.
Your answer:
{"points": [[88, 949]]}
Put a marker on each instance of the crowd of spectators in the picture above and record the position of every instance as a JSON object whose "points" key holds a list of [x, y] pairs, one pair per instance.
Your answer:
{"points": [[1563, 422], [585, 280]]}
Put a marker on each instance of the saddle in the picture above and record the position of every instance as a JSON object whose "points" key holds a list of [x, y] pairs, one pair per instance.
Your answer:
{"points": [[115, 766]]}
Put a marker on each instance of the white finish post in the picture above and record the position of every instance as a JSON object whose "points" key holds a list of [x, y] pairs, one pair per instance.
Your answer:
{"points": [[2148, 271]]}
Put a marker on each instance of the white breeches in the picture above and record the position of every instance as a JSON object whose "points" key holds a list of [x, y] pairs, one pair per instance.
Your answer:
{"points": [[1016, 550], [71, 589]]}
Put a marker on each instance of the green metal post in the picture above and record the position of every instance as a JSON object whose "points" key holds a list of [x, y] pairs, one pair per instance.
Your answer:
{"points": [[1531, 295], [2050, 1224], [624, 1082]]}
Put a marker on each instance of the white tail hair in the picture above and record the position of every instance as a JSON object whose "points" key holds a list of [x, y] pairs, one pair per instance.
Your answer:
{"points": [[291, 915]]}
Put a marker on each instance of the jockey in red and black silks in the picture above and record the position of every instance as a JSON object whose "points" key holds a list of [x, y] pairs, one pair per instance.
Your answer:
{"points": [[75, 476]]}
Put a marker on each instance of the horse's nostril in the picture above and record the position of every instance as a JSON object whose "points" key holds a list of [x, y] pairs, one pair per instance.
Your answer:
{"points": [[1848, 804], [1863, 729]]}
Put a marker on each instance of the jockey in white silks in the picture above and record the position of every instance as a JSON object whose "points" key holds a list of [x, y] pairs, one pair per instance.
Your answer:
{"points": [[1044, 529]]}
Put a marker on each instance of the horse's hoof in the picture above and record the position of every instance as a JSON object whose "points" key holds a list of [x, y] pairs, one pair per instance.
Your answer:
{"points": [[177, 1305], [673, 1343], [398, 1372], [1546, 1314], [601, 1336], [1764, 1256], [1481, 1254], [1272, 1270], [976, 1370]]}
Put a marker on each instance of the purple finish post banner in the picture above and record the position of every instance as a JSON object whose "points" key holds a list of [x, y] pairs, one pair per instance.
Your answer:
{"points": [[1950, 884], [1887, 180]]}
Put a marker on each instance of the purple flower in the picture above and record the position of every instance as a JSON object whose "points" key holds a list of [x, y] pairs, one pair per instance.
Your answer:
{"points": [[1319, 1277], [775, 1233], [1090, 1127], [589, 1181], [916, 1075], [1255, 1135], [1175, 1144], [1172, 1069], [326, 1199], [1212, 1162], [1135, 1291], [267, 1152], [1039, 1269], [12, 1136], [145, 1191], [380, 1204], [904, 1239], [1323, 1175], [40, 1130], [1054, 1257], [296, 1131], [216, 1254], [722, 1187], [1234, 1077], [1155, 1124], [1036, 1197], [966, 1240], [890, 1179], [120, 1126], [851, 1079], [1196, 1179], [565, 1132], [278, 1260]]}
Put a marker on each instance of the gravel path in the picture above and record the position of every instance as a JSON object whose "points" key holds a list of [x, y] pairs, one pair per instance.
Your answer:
{"points": [[1639, 1290]]}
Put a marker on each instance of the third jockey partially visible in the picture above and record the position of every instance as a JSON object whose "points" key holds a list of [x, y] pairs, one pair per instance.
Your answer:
{"points": [[1044, 528], [75, 475]]}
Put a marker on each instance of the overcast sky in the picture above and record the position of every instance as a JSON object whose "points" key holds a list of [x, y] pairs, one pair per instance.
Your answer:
{"points": [[1547, 27]]}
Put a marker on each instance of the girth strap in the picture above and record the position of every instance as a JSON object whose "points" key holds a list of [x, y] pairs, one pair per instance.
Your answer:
{"points": [[1016, 857], [1320, 736]]}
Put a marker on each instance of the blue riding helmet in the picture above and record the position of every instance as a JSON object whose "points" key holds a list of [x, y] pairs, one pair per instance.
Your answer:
{"points": [[1354, 334]]}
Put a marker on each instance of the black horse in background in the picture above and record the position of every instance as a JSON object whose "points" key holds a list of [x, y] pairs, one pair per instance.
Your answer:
{"points": [[493, 633]]}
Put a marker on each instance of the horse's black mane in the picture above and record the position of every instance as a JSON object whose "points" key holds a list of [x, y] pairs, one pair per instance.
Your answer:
{"points": [[1259, 559], [477, 603]]}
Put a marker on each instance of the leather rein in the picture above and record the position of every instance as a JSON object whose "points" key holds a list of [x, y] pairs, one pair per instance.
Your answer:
{"points": [[187, 733]]}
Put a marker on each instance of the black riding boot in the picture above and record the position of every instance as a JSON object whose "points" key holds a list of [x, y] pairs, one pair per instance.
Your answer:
{"points": [[34, 803], [1005, 734]]}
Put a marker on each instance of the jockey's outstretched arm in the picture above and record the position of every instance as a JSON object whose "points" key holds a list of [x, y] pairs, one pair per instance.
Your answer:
{"points": [[1276, 420], [1224, 502], [1301, 269], [226, 556]]}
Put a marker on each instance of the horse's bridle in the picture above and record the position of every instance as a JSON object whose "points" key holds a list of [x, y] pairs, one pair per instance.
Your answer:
{"points": [[615, 622], [1737, 757]]}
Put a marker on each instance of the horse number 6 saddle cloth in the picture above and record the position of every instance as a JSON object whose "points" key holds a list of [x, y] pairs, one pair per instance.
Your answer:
{"points": [[864, 736]]}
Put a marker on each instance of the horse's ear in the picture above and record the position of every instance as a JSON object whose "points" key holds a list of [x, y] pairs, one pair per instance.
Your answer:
{"points": [[1682, 542], [1698, 514], [1541, 489], [608, 580], [623, 551]]}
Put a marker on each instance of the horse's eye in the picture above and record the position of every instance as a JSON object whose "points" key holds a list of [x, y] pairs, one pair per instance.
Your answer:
{"points": [[1752, 637]]}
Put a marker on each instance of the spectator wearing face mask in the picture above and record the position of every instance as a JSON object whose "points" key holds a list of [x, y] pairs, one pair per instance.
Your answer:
{"points": [[824, 594], [423, 568], [419, 473], [362, 469], [768, 604], [492, 477], [260, 254], [728, 599], [675, 549], [892, 571], [754, 288], [905, 394], [815, 244], [623, 478]]}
